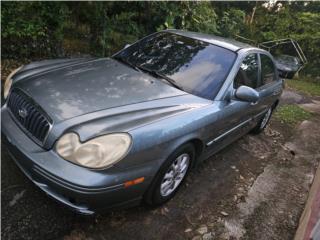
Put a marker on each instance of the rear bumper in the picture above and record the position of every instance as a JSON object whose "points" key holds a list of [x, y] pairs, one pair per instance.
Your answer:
{"points": [[83, 190]]}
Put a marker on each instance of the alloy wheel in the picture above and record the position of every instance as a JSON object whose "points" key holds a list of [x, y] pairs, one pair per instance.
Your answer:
{"points": [[175, 174], [266, 118]]}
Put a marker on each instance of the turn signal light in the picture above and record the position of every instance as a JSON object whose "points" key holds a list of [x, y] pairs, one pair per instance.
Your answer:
{"points": [[133, 182]]}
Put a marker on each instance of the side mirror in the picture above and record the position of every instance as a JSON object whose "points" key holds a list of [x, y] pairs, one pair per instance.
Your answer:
{"points": [[247, 94], [127, 45]]}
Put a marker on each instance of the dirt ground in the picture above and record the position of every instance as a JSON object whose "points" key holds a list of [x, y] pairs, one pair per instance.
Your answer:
{"points": [[254, 189]]}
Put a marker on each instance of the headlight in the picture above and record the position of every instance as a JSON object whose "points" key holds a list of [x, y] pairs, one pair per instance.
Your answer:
{"points": [[99, 152], [8, 83]]}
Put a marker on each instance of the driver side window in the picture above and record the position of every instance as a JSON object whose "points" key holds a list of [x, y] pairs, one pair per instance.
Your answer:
{"points": [[248, 72]]}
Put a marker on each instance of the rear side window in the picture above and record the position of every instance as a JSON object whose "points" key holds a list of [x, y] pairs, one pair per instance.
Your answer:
{"points": [[248, 72], [267, 70]]}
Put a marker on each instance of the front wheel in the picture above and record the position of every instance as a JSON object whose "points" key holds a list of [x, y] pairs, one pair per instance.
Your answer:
{"points": [[171, 176], [263, 122]]}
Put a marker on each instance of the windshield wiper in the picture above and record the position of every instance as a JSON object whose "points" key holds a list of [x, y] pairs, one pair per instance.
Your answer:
{"points": [[160, 75], [123, 60], [152, 72]]}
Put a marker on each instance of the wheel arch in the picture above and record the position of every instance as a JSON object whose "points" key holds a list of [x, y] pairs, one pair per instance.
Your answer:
{"points": [[275, 105], [198, 146]]}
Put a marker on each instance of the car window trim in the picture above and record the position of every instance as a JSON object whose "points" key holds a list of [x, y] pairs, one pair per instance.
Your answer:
{"points": [[259, 72], [227, 88], [226, 133], [275, 72], [245, 56]]}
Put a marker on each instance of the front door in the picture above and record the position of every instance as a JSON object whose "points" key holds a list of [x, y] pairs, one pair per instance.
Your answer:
{"points": [[237, 117]]}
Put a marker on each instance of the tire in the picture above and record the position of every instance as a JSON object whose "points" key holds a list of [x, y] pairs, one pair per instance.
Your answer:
{"points": [[157, 194], [263, 122]]}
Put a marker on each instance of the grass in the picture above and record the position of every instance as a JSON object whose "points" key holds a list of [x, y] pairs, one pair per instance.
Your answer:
{"points": [[291, 114], [307, 87]]}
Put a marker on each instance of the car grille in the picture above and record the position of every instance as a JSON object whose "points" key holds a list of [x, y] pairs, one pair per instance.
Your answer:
{"points": [[30, 116]]}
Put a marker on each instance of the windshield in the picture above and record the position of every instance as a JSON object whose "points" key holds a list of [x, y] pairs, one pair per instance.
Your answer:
{"points": [[195, 66]]}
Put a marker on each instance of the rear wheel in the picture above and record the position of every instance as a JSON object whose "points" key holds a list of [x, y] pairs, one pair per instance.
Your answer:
{"points": [[263, 122], [171, 176]]}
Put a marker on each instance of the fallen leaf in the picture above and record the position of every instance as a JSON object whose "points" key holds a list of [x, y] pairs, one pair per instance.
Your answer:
{"points": [[224, 213]]}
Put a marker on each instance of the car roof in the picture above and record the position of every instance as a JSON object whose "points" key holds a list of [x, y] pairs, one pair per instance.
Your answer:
{"points": [[227, 43]]}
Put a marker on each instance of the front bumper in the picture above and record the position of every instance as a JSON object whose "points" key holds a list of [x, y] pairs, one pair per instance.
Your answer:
{"points": [[84, 190]]}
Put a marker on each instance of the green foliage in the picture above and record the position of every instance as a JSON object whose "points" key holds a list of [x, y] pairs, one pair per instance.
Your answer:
{"points": [[191, 16], [121, 30], [31, 28], [232, 22], [293, 20], [307, 87], [47, 29], [292, 114], [201, 18]]}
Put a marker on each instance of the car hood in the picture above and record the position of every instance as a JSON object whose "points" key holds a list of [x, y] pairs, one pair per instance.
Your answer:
{"points": [[69, 88], [126, 118]]}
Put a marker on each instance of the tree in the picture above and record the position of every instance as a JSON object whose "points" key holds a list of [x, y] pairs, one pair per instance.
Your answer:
{"points": [[49, 29]]}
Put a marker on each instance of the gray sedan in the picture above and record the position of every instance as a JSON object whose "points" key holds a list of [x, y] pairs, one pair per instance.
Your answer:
{"points": [[102, 133]]}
